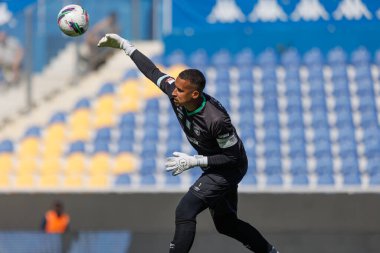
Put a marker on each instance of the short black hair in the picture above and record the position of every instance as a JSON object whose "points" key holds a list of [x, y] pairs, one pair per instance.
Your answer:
{"points": [[195, 77]]}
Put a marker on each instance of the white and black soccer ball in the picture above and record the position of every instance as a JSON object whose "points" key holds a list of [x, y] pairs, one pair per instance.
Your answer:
{"points": [[73, 20]]}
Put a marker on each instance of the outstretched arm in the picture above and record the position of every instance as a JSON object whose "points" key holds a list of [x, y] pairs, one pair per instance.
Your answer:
{"points": [[143, 63]]}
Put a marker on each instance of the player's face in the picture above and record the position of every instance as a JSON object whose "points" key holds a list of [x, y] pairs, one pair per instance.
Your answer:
{"points": [[184, 93]]}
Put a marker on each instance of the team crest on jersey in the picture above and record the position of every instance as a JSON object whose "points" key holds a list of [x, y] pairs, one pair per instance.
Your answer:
{"points": [[170, 80]]}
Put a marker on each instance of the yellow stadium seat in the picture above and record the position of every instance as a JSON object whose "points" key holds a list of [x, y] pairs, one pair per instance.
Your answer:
{"points": [[49, 181], [26, 165], [75, 164], [6, 163], [176, 69], [130, 104], [25, 180], [52, 148], [104, 120], [105, 104], [80, 133], [29, 147], [150, 90], [55, 132], [130, 88], [100, 164], [51, 166], [124, 163], [73, 181], [80, 118], [98, 180], [4, 181]]}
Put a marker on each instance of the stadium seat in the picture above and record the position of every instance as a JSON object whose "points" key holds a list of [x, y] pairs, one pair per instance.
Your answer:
{"points": [[313, 57], [147, 179], [99, 164], [98, 181], [6, 163], [352, 178], [123, 179], [267, 58], [124, 163], [25, 180], [49, 181], [199, 59], [172, 180], [300, 180], [51, 166], [274, 180], [77, 146], [222, 59], [325, 180], [337, 56], [83, 103], [6, 146], [26, 165], [244, 58], [73, 181], [148, 166], [5, 180], [106, 89], [249, 179], [33, 131], [360, 56], [58, 117], [175, 57], [29, 147], [75, 164]]}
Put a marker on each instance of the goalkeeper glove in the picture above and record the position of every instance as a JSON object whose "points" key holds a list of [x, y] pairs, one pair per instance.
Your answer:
{"points": [[115, 41], [180, 162]]}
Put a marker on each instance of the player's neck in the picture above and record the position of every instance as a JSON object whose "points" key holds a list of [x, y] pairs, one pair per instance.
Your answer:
{"points": [[195, 104]]}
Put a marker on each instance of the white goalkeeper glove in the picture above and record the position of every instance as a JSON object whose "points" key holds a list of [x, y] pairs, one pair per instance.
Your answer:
{"points": [[180, 162], [115, 41]]}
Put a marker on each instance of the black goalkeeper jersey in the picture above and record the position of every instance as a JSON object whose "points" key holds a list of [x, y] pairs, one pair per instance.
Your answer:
{"points": [[208, 128]]}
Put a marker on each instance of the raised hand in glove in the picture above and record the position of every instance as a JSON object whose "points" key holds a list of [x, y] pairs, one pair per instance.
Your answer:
{"points": [[180, 162], [115, 41]]}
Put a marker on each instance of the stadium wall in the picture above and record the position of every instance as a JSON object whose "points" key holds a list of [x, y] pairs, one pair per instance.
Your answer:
{"points": [[295, 222]]}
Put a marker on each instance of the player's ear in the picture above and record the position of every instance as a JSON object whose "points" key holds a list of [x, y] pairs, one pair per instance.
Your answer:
{"points": [[195, 94]]}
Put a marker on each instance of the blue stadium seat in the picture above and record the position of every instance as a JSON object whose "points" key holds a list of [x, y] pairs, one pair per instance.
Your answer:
{"points": [[103, 134], [131, 74], [33, 131], [296, 132], [272, 132], [294, 103], [321, 146], [342, 103], [58, 117], [171, 180], [127, 133], [352, 178], [337, 56], [274, 180], [295, 118], [300, 180], [290, 57], [127, 119], [175, 57], [249, 179], [244, 58], [366, 103], [298, 165], [322, 132], [107, 88], [319, 118], [101, 146], [269, 77], [313, 57], [297, 147], [6, 146], [222, 58], [124, 146], [315, 74], [272, 148], [326, 179], [245, 73], [293, 87], [371, 147], [123, 179], [152, 105], [324, 164], [349, 164], [246, 103], [273, 165], [271, 119], [148, 165], [338, 72], [149, 148], [318, 102], [246, 88], [77, 146], [360, 56], [223, 89], [151, 133], [375, 179], [365, 87], [199, 59], [267, 58], [82, 103]]}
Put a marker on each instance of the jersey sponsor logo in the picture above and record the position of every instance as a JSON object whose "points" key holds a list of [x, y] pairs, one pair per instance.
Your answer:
{"points": [[226, 140]]}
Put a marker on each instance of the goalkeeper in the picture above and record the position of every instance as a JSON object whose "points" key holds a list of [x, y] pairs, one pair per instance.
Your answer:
{"points": [[221, 155]]}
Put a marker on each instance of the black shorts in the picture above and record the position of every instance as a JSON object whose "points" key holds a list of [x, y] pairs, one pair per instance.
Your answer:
{"points": [[218, 190]]}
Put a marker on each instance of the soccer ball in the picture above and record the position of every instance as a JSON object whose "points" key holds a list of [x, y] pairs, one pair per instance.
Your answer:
{"points": [[73, 20]]}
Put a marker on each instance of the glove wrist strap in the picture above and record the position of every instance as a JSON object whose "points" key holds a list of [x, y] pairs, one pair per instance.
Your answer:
{"points": [[201, 160]]}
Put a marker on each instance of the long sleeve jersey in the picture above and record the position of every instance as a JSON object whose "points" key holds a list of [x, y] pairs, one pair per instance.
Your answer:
{"points": [[208, 128]]}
